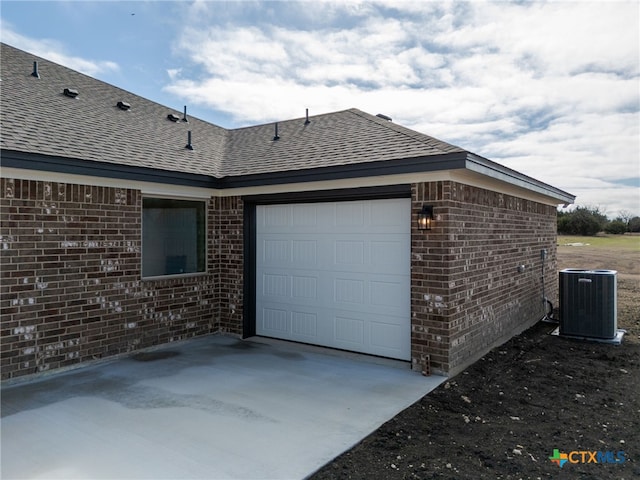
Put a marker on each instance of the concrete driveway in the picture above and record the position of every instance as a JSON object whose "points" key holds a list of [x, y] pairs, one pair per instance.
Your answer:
{"points": [[212, 407]]}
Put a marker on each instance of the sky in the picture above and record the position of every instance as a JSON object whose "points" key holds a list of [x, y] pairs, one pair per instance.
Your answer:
{"points": [[550, 89]]}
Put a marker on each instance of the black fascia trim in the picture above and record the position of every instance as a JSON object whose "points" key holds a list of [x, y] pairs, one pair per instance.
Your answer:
{"points": [[338, 194], [48, 163], [429, 163], [249, 271]]}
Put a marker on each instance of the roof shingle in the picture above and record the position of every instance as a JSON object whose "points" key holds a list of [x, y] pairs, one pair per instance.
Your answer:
{"points": [[36, 117], [50, 131]]}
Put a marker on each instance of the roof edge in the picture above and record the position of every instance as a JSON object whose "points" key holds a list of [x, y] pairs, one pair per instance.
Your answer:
{"points": [[48, 163], [432, 163], [478, 164], [31, 161]]}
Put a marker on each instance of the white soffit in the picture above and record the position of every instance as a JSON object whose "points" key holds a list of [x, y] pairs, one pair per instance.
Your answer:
{"points": [[147, 188], [464, 176]]}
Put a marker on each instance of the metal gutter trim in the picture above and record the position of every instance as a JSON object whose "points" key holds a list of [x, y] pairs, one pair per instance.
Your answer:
{"points": [[47, 163], [66, 165], [431, 163], [478, 164], [371, 169]]}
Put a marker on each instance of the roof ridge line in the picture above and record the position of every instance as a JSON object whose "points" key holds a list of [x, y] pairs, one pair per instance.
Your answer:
{"points": [[413, 134], [295, 119]]}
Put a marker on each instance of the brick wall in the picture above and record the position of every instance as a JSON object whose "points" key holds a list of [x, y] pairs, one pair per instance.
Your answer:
{"points": [[228, 238], [429, 282], [467, 293], [71, 287]]}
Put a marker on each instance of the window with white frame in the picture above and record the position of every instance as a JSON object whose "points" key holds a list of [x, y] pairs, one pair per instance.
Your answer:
{"points": [[174, 236]]}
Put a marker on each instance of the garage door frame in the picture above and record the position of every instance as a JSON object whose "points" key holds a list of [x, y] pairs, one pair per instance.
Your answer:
{"points": [[250, 229]]}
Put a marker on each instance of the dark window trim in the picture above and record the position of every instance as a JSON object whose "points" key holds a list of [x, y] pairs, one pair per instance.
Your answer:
{"points": [[250, 203], [334, 195], [169, 276], [249, 270]]}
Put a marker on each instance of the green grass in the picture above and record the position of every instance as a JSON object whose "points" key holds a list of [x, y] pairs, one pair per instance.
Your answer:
{"points": [[623, 242]]}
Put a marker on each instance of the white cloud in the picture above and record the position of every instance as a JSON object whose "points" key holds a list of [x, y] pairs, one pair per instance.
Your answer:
{"points": [[561, 37], [550, 89], [174, 73], [55, 51]]}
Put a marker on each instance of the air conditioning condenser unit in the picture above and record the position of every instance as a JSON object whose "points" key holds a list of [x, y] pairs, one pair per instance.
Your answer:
{"points": [[588, 303]]}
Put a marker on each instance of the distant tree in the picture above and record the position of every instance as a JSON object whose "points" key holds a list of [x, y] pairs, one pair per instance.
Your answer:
{"points": [[599, 215], [634, 224], [581, 221], [625, 216], [616, 227], [564, 222]]}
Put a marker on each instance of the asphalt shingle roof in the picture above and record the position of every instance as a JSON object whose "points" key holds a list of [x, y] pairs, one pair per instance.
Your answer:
{"points": [[36, 117], [340, 138]]}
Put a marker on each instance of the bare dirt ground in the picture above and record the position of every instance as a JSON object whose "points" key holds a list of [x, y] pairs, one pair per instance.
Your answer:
{"points": [[503, 417]]}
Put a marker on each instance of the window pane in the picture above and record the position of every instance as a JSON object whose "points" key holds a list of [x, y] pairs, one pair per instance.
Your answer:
{"points": [[173, 237]]}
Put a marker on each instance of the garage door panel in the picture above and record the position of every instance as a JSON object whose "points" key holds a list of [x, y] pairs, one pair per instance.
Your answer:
{"points": [[385, 214], [376, 254], [304, 325], [303, 286], [310, 324], [349, 332], [304, 215], [388, 256], [349, 252], [348, 290], [344, 290], [348, 214], [276, 216], [341, 217], [336, 274], [275, 321], [304, 253], [275, 251], [387, 294], [388, 337], [275, 285], [373, 334]]}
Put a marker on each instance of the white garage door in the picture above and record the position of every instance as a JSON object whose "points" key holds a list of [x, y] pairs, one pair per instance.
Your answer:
{"points": [[336, 274]]}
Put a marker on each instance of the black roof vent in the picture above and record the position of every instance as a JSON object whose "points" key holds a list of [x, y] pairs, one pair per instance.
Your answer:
{"points": [[189, 145], [70, 92], [35, 70], [307, 121], [172, 117], [184, 117], [384, 117], [124, 105], [276, 136]]}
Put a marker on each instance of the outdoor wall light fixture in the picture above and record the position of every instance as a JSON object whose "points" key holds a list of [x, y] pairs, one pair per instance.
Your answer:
{"points": [[425, 217]]}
